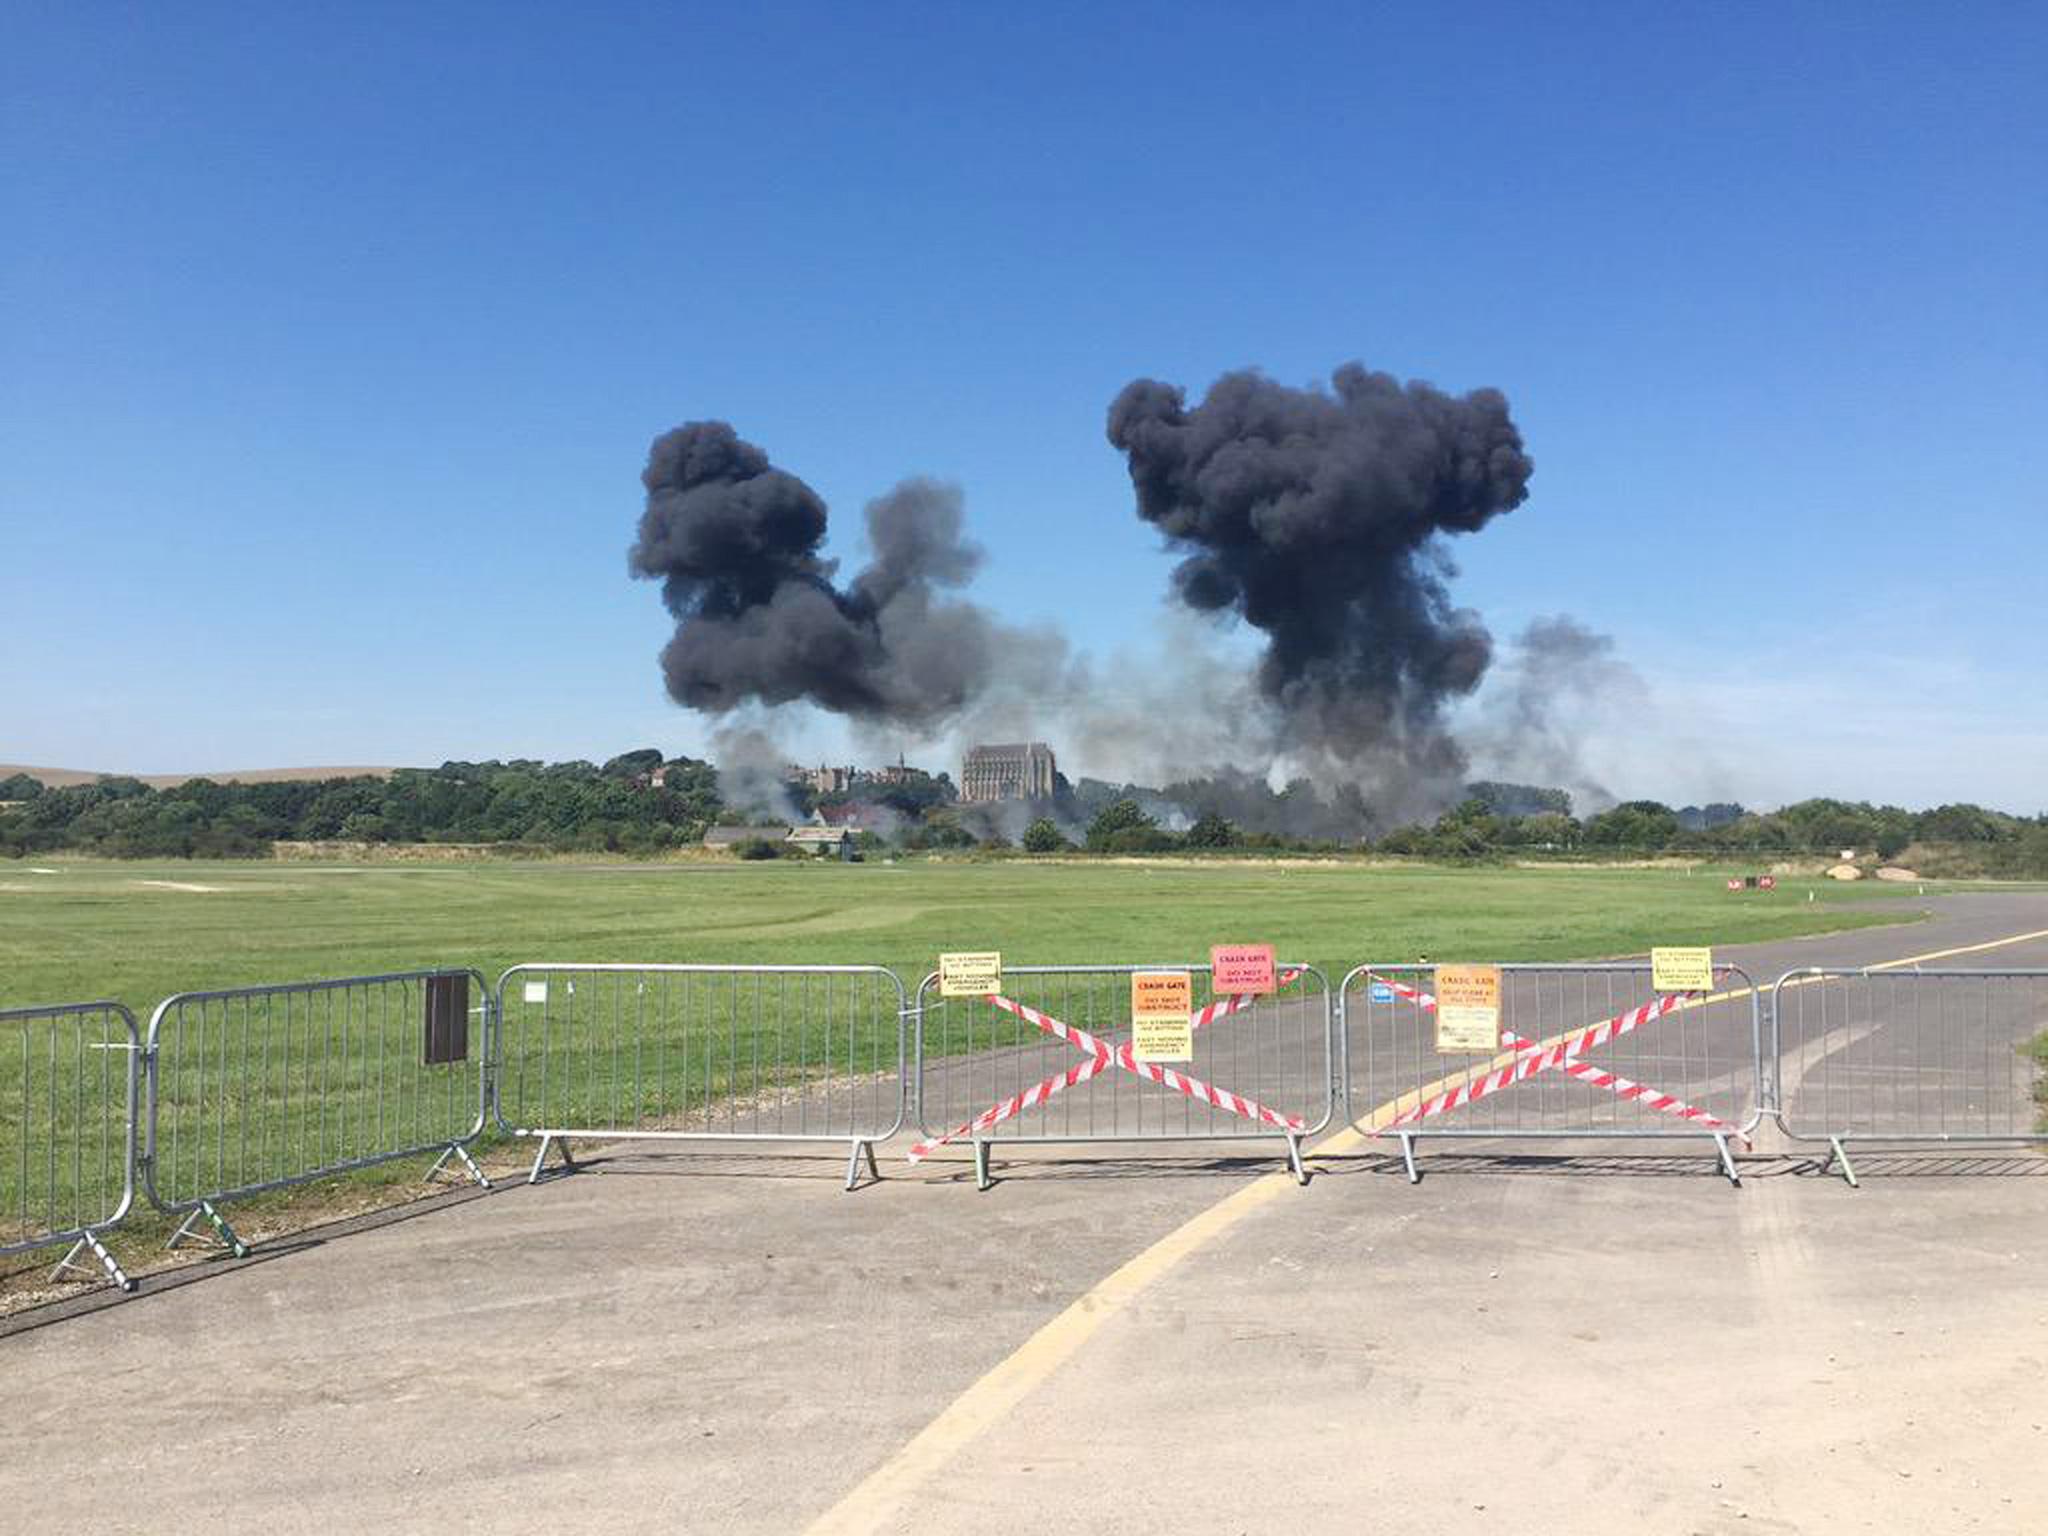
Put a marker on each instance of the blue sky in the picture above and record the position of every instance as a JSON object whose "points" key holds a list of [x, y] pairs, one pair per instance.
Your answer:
{"points": [[331, 344]]}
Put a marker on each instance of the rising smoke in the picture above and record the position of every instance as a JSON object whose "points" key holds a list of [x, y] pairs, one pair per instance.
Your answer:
{"points": [[750, 778], [734, 542], [1558, 678], [1321, 518]]}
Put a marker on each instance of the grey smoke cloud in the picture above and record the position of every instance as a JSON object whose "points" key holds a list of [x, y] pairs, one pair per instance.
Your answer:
{"points": [[734, 542], [1558, 678]]}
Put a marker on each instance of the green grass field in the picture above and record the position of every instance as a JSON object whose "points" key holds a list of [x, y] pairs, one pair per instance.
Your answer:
{"points": [[248, 1097], [100, 929]]}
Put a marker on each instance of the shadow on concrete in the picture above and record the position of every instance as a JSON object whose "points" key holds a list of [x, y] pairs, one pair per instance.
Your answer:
{"points": [[1041, 1169], [1944, 1163], [218, 1263], [624, 1163], [1700, 1164]]}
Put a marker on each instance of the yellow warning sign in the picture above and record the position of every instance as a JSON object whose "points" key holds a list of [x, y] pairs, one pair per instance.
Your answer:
{"points": [[971, 973], [1681, 969], [1467, 1008], [1162, 1026]]}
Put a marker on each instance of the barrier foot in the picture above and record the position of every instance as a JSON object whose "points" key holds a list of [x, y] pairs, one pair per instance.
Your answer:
{"points": [[1837, 1150], [853, 1164], [91, 1241], [1727, 1159], [222, 1232], [548, 1139], [1408, 1158], [460, 1153], [981, 1179], [1294, 1159]]}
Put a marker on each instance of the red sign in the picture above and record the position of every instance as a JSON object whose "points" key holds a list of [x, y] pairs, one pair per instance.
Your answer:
{"points": [[1236, 969], [1735, 883], [1767, 882]]}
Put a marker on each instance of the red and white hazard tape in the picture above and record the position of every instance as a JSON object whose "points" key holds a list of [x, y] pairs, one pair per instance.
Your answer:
{"points": [[1123, 1056], [1562, 1055], [1624, 1088], [1101, 1057]]}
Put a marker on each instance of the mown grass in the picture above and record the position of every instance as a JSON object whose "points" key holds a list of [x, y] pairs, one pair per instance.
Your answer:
{"points": [[99, 929], [137, 932]]}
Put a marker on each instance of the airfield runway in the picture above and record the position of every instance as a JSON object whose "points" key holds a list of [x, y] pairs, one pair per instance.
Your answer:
{"points": [[1182, 1341]]}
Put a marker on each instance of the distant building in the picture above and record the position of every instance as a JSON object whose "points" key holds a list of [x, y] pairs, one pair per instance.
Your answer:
{"points": [[857, 817], [1021, 770], [821, 780], [898, 772], [825, 842], [732, 836]]}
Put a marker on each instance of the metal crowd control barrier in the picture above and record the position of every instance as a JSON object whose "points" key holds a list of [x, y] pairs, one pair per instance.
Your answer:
{"points": [[68, 1098], [1262, 1068], [1908, 1057], [1586, 1052], [259, 1088], [701, 1053]]}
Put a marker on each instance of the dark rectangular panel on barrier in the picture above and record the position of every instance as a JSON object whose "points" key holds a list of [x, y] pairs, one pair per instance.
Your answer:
{"points": [[447, 1018]]}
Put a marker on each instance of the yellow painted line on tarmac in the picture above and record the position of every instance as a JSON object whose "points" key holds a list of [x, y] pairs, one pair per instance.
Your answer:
{"points": [[879, 1500], [1950, 954]]}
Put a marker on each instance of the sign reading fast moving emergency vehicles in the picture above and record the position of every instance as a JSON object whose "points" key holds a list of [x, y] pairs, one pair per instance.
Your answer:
{"points": [[976, 973]]}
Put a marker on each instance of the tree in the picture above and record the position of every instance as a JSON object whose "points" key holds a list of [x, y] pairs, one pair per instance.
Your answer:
{"points": [[1951, 824], [1118, 817], [939, 829], [1043, 836], [19, 786], [1550, 831], [1640, 824], [364, 827], [629, 765], [1211, 831], [1405, 840]]}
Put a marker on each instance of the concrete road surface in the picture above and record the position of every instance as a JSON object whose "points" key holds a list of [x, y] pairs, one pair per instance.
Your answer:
{"points": [[1106, 1342]]}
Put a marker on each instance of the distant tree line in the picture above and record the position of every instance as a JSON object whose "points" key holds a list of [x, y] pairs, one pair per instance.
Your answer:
{"points": [[643, 803], [575, 806], [1961, 839]]}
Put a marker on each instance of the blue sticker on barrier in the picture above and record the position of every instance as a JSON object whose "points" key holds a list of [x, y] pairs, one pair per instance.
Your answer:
{"points": [[1380, 993]]}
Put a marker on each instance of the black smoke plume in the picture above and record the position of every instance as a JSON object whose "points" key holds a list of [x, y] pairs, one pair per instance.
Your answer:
{"points": [[1320, 517], [734, 542]]}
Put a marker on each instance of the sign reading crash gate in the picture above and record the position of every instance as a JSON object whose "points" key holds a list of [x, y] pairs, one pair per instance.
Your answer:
{"points": [[1237, 969], [1467, 1008], [1162, 1023]]}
